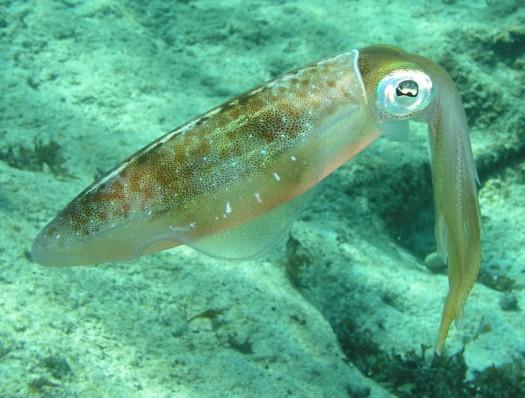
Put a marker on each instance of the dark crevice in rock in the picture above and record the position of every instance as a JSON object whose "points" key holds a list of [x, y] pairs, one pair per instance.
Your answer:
{"points": [[492, 164], [420, 374], [403, 199]]}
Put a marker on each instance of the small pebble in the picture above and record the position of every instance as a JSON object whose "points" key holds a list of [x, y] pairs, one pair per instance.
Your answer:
{"points": [[435, 263]]}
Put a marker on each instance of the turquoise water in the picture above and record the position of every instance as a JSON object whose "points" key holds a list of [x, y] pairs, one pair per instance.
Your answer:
{"points": [[345, 304]]}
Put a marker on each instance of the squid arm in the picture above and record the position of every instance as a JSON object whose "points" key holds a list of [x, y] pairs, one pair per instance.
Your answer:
{"points": [[458, 220]]}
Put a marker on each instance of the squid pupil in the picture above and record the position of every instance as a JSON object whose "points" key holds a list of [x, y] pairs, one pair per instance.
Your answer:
{"points": [[408, 88]]}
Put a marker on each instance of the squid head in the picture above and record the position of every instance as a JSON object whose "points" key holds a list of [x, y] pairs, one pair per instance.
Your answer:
{"points": [[403, 86]]}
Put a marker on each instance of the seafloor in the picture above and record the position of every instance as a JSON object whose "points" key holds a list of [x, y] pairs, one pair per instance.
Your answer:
{"points": [[345, 306]]}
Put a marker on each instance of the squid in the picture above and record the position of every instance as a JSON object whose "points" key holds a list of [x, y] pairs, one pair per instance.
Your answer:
{"points": [[229, 182]]}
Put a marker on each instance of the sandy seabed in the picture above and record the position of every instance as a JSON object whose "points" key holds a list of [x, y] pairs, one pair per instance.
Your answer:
{"points": [[344, 306]]}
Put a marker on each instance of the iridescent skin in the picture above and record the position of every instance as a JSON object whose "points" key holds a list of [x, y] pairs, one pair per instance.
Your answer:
{"points": [[257, 153]]}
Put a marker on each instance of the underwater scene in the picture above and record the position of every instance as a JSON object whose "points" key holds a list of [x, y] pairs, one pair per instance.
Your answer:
{"points": [[262, 198]]}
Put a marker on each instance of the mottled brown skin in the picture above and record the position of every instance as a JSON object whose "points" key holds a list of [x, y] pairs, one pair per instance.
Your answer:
{"points": [[232, 151], [238, 129]]}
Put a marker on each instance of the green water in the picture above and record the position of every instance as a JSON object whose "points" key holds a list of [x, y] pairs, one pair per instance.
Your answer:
{"points": [[345, 305]]}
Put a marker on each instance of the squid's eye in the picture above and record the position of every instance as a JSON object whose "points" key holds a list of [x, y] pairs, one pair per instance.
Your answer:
{"points": [[408, 88], [403, 92]]}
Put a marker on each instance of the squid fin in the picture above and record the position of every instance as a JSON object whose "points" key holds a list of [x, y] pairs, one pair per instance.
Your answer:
{"points": [[253, 237]]}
